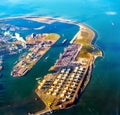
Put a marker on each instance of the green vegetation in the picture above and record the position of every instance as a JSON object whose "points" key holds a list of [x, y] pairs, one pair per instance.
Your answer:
{"points": [[52, 36], [83, 54], [88, 48], [85, 38], [97, 52]]}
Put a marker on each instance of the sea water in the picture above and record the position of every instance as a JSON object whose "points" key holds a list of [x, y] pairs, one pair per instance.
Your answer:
{"points": [[101, 97]]}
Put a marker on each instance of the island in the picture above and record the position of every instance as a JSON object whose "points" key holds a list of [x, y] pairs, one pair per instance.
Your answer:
{"points": [[71, 73]]}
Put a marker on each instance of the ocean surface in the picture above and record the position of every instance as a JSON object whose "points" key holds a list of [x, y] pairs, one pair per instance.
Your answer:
{"points": [[101, 97]]}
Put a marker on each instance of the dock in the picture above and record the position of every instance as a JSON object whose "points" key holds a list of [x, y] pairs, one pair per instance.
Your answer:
{"points": [[39, 45], [61, 89], [72, 73]]}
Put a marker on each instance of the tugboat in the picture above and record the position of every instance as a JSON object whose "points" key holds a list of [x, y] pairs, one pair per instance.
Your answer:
{"points": [[1, 61], [64, 41], [46, 58]]}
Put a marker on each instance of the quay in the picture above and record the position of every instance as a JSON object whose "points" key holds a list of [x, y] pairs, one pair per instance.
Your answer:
{"points": [[72, 73], [60, 90], [39, 45]]}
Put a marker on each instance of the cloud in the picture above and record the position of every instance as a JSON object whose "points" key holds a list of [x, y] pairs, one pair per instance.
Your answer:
{"points": [[111, 13]]}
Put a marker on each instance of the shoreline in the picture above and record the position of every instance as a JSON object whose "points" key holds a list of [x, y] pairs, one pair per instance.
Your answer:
{"points": [[95, 38], [69, 21], [60, 19], [88, 65]]}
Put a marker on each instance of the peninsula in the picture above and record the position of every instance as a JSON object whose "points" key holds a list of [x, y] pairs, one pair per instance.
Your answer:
{"points": [[72, 71], [39, 44]]}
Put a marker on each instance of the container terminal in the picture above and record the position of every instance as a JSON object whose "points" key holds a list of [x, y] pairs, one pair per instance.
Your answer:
{"points": [[61, 89], [39, 44]]}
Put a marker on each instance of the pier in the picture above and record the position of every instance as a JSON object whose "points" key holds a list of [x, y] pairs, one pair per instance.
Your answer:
{"points": [[39, 45]]}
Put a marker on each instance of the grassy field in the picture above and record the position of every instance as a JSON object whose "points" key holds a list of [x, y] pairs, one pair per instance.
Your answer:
{"points": [[85, 37], [52, 36]]}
